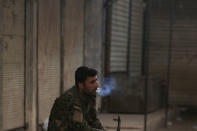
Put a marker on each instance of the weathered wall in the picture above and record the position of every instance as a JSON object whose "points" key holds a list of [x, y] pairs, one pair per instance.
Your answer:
{"points": [[48, 56], [93, 34], [41, 45], [12, 64], [1, 69], [158, 38], [73, 21], [135, 59], [31, 68], [184, 53], [93, 43], [182, 85]]}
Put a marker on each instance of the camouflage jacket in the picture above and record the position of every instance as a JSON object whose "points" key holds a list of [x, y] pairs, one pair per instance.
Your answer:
{"points": [[74, 112]]}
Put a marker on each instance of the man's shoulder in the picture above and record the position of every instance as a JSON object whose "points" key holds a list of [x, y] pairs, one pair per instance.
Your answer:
{"points": [[67, 96]]}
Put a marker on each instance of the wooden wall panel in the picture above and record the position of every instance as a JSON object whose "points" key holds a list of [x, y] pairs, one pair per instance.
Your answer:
{"points": [[31, 69], [73, 39], [48, 56], [12, 63]]}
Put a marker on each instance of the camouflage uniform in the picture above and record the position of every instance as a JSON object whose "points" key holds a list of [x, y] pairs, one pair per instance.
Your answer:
{"points": [[74, 112]]}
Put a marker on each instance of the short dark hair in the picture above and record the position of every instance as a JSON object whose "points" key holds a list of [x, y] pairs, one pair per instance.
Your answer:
{"points": [[83, 72]]}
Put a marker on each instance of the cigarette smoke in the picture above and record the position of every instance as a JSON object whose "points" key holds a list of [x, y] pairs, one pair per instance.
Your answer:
{"points": [[107, 86]]}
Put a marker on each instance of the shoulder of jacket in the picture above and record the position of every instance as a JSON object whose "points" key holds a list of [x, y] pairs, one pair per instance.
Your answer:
{"points": [[65, 98]]}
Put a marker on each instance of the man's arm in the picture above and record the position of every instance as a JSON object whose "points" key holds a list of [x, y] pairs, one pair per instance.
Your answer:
{"points": [[93, 119]]}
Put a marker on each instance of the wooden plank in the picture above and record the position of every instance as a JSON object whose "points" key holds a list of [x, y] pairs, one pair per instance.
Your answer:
{"points": [[1, 75], [1, 69], [31, 92], [49, 56], [73, 39], [12, 64]]}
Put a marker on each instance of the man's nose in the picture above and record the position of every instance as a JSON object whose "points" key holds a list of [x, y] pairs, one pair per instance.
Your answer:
{"points": [[97, 85]]}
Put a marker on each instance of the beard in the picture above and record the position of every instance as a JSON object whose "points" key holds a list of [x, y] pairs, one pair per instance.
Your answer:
{"points": [[90, 91]]}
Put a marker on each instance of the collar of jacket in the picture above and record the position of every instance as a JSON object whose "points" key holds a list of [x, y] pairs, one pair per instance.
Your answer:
{"points": [[84, 97]]}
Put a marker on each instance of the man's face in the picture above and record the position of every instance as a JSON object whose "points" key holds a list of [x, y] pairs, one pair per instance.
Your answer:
{"points": [[90, 85]]}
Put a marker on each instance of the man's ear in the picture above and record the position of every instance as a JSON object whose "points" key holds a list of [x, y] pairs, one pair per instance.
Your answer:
{"points": [[80, 85]]}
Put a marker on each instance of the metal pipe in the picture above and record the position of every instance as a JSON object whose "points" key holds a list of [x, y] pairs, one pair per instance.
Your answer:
{"points": [[37, 56], [1, 76], [108, 24], [172, 6], [25, 36], [62, 6], [129, 37], [119, 122], [146, 30]]}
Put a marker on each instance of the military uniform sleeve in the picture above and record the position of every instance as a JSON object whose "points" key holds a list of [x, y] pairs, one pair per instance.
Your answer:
{"points": [[66, 117], [93, 119]]}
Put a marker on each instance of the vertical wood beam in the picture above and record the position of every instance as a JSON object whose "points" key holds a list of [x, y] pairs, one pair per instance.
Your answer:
{"points": [[1, 79], [62, 8], [1, 68], [31, 92]]}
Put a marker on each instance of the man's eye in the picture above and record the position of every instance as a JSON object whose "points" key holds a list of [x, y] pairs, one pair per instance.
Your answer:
{"points": [[92, 82]]}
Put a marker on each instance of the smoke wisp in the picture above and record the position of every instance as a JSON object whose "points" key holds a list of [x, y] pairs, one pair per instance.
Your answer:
{"points": [[107, 86]]}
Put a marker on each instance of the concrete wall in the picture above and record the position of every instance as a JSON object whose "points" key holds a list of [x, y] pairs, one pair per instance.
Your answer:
{"points": [[48, 56], [49, 40], [93, 42], [12, 64], [73, 39]]}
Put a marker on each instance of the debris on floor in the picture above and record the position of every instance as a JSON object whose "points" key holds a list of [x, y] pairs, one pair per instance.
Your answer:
{"points": [[195, 127]]}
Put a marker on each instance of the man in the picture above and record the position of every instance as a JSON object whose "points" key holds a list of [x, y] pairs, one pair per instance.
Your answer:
{"points": [[75, 109]]}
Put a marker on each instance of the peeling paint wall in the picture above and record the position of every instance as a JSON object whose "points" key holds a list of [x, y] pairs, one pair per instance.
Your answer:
{"points": [[12, 63], [41, 45], [183, 71], [48, 56], [93, 43], [73, 39]]}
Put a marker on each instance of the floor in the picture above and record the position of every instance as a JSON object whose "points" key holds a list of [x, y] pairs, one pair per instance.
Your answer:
{"points": [[130, 122], [186, 122]]}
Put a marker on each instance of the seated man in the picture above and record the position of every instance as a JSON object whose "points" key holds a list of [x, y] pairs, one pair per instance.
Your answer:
{"points": [[75, 109]]}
